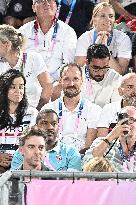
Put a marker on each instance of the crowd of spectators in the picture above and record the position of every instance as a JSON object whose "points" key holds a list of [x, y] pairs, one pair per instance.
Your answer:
{"points": [[65, 68]]}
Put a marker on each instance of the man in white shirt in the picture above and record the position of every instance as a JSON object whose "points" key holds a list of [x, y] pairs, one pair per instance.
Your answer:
{"points": [[109, 114], [100, 83], [52, 38], [77, 116]]}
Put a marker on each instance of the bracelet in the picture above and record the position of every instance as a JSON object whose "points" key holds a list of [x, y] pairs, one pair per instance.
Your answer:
{"points": [[107, 141]]}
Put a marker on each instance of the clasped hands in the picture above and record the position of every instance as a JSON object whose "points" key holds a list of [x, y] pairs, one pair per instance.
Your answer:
{"points": [[102, 37]]}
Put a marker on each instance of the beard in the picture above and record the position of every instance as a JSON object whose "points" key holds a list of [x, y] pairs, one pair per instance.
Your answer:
{"points": [[51, 136], [131, 100], [97, 78], [71, 93]]}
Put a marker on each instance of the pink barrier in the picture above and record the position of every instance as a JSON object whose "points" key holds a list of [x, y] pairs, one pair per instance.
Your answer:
{"points": [[62, 192]]}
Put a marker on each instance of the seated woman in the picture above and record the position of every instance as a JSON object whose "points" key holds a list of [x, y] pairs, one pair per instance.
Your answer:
{"points": [[103, 32], [38, 81], [14, 114]]}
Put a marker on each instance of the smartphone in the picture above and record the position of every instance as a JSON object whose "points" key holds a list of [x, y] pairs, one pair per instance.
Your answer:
{"points": [[122, 116]]}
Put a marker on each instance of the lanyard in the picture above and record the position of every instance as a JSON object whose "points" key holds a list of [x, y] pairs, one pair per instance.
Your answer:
{"points": [[48, 163], [128, 162], [53, 38], [77, 119], [70, 11], [91, 92], [22, 63], [24, 59], [89, 84], [108, 41]]}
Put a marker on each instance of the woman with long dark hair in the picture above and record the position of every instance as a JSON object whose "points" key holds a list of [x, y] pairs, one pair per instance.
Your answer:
{"points": [[14, 114]]}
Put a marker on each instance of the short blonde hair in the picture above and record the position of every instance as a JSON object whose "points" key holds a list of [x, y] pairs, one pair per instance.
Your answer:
{"points": [[99, 7], [10, 34], [98, 164]]}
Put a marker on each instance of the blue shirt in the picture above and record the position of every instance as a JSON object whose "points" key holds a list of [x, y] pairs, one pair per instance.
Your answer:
{"points": [[61, 158]]}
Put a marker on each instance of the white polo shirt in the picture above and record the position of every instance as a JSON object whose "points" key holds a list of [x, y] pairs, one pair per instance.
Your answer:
{"points": [[64, 48], [109, 114], [102, 92], [120, 46], [71, 133], [33, 67]]}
